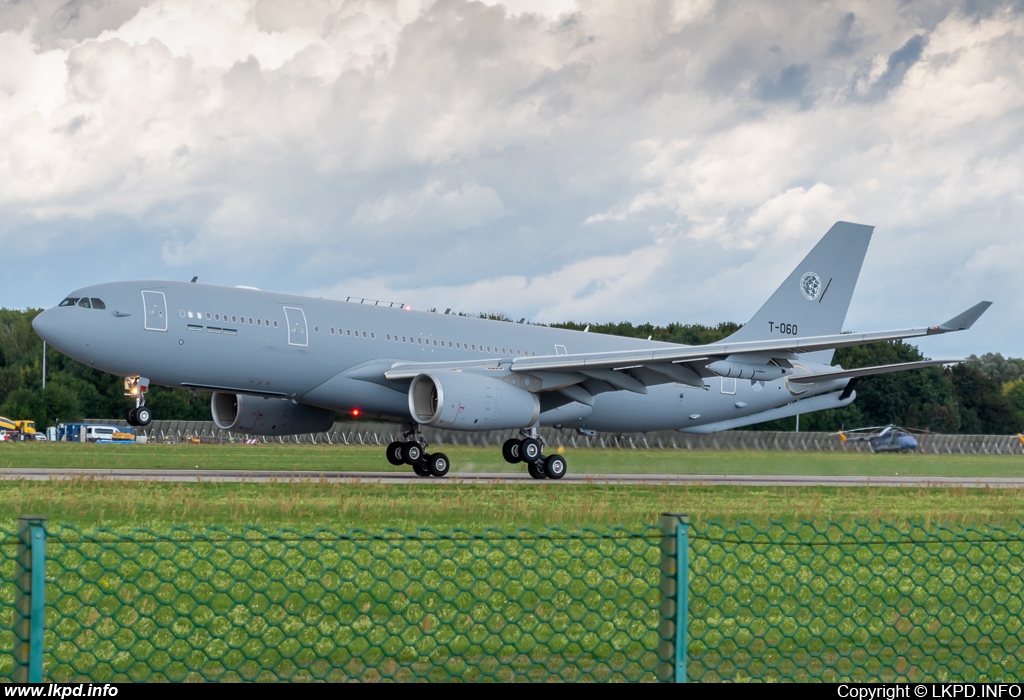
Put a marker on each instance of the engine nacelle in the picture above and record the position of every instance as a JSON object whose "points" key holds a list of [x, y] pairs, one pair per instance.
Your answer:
{"points": [[461, 401], [256, 415]]}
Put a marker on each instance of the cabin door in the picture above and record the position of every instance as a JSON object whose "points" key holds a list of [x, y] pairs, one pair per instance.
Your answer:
{"points": [[155, 304], [296, 326]]}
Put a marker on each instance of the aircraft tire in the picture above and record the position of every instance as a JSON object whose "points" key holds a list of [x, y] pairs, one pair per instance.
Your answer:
{"points": [[421, 469], [411, 451], [510, 451], [555, 466], [536, 470], [132, 420], [143, 416], [394, 454], [438, 464], [530, 450]]}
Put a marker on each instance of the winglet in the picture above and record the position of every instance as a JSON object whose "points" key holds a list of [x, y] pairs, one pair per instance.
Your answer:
{"points": [[966, 319]]}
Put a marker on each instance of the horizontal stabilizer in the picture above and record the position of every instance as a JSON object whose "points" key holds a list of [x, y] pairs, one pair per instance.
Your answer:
{"points": [[868, 371], [967, 318]]}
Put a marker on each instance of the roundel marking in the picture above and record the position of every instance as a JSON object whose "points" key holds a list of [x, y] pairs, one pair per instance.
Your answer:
{"points": [[810, 285]]}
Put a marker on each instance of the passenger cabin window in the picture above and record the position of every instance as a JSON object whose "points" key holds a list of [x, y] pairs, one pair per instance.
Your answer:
{"points": [[70, 301], [84, 303]]}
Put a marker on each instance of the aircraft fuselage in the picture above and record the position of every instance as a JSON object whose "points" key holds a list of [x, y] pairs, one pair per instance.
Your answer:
{"points": [[312, 351]]}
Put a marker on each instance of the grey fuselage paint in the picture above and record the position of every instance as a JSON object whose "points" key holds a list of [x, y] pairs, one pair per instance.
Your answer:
{"points": [[332, 354]]}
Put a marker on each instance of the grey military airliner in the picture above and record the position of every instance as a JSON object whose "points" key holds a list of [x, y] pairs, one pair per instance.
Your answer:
{"points": [[280, 364]]}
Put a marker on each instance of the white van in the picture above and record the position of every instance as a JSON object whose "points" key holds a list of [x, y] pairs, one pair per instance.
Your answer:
{"points": [[100, 432]]}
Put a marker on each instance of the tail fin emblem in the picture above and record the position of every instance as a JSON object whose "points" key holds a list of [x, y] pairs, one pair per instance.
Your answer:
{"points": [[810, 285]]}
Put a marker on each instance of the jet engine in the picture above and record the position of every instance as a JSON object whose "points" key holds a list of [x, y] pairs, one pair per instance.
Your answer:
{"points": [[256, 415], [461, 401]]}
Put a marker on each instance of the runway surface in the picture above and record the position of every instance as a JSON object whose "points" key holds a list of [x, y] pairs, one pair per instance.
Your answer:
{"points": [[268, 476]]}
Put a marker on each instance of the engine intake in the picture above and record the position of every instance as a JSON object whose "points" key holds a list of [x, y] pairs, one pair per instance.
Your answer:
{"points": [[257, 415], [461, 401]]}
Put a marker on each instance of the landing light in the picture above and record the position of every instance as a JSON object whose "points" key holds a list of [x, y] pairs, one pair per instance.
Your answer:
{"points": [[408, 308]]}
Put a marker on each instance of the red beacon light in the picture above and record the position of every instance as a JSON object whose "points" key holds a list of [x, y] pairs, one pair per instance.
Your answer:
{"points": [[356, 412]]}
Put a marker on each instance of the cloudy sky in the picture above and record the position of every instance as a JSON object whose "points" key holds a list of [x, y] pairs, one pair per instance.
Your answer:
{"points": [[588, 160]]}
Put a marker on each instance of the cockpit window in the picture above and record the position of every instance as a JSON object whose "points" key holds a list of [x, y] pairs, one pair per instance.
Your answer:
{"points": [[84, 303], [98, 303], [70, 301]]}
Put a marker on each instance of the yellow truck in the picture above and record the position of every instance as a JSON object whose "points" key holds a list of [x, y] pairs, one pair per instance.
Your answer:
{"points": [[26, 427], [17, 429]]}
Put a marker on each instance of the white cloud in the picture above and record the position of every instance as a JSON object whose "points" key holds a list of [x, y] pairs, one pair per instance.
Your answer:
{"points": [[434, 207], [643, 159]]}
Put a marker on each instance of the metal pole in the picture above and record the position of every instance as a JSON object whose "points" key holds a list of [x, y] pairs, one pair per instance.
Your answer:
{"points": [[682, 595], [798, 422], [30, 598], [672, 649], [44, 365]]}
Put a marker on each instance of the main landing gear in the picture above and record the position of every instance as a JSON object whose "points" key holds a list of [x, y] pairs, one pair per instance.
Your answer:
{"points": [[412, 450], [528, 448], [136, 388]]}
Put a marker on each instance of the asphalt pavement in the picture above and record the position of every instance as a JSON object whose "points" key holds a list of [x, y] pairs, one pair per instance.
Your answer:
{"points": [[272, 476]]}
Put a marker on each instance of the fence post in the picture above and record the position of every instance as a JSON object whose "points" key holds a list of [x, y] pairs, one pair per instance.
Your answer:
{"points": [[675, 584], [30, 597]]}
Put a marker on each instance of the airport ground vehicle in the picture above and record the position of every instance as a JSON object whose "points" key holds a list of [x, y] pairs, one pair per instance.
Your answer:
{"points": [[88, 432], [18, 430]]}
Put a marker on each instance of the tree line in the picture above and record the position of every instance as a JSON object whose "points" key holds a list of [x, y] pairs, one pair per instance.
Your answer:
{"points": [[984, 395]]}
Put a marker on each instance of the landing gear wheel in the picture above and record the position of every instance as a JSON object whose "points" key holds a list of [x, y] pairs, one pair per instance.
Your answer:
{"points": [[412, 451], [536, 470], [439, 464], [555, 467], [510, 451], [143, 416], [394, 454], [421, 469], [529, 450], [132, 420]]}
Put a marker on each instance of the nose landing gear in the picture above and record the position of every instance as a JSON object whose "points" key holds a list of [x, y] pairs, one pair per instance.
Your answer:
{"points": [[528, 448], [412, 450], [136, 388]]}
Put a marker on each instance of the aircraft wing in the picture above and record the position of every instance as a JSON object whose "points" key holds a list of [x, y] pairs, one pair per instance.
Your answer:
{"points": [[620, 359], [582, 375]]}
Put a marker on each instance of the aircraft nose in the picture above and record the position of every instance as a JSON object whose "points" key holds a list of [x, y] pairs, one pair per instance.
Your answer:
{"points": [[45, 325]]}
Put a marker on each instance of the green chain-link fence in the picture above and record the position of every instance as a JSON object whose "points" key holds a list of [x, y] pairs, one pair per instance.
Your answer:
{"points": [[856, 601], [806, 601], [258, 605]]}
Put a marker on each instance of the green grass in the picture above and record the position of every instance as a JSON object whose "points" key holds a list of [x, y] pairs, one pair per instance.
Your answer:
{"points": [[479, 459], [311, 504]]}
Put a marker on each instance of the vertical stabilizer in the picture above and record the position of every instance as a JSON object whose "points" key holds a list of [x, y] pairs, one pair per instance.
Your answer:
{"points": [[815, 297]]}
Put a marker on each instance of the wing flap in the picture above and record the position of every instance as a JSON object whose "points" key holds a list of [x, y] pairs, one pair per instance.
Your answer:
{"points": [[868, 371]]}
